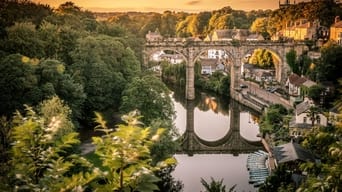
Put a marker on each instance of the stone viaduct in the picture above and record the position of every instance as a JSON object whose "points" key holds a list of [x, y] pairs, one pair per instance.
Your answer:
{"points": [[236, 51]]}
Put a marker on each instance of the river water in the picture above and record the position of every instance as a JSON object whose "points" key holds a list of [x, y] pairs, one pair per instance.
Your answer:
{"points": [[210, 121]]}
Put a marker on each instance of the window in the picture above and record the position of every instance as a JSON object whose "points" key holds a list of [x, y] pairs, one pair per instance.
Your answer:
{"points": [[318, 120], [304, 119]]}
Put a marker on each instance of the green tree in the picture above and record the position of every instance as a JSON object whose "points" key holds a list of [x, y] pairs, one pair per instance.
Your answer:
{"points": [[53, 80], [215, 186], [41, 161], [329, 65], [101, 70], [126, 154], [291, 58], [18, 83], [315, 93], [150, 96], [24, 39]]}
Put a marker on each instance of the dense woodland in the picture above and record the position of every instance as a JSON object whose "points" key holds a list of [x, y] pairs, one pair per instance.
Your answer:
{"points": [[60, 66]]}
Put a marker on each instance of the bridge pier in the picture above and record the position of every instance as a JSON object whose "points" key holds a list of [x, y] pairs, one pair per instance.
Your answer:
{"points": [[190, 77]]}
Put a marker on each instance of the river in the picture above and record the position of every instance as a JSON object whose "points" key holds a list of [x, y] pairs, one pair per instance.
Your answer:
{"points": [[211, 142]]}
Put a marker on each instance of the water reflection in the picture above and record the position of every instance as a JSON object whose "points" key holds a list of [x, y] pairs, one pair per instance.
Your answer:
{"points": [[223, 130], [216, 137]]}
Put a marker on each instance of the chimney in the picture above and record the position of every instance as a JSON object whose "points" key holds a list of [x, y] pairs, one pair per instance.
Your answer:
{"points": [[337, 19]]}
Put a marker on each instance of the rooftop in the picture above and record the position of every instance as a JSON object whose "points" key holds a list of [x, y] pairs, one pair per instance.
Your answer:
{"points": [[292, 152]]}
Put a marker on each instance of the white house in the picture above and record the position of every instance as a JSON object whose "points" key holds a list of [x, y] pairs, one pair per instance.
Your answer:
{"points": [[216, 54], [154, 36], [302, 123], [211, 65], [172, 58], [293, 83]]}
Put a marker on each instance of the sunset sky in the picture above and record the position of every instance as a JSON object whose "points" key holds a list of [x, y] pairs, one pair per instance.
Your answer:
{"points": [[162, 5]]}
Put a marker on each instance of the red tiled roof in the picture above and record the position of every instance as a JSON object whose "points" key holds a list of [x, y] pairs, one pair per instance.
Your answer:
{"points": [[296, 80]]}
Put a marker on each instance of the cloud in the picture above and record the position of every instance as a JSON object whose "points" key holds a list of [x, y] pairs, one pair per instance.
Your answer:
{"points": [[193, 2]]}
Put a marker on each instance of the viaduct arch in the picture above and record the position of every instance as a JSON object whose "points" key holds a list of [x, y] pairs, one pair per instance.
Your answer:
{"points": [[236, 50]]}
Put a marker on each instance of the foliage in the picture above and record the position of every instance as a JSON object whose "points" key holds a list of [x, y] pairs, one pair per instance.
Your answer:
{"points": [[315, 92], [291, 58], [215, 186], [103, 71], [260, 26], [275, 121], [29, 81], [327, 68], [168, 183], [217, 82], [126, 154], [262, 58], [12, 11], [40, 160], [174, 73], [150, 96], [55, 107], [281, 177], [17, 82], [327, 175], [23, 38]]}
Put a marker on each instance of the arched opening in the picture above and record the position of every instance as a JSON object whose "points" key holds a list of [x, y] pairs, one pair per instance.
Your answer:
{"points": [[213, 59], [263, 66]]}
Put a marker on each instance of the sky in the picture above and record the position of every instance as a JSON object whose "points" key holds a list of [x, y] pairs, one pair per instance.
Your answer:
{"points": [[163, 5]]}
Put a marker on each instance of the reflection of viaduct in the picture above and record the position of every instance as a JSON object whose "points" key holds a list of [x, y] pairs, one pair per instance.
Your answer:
{"points": [[236, 50], [232, 142]]}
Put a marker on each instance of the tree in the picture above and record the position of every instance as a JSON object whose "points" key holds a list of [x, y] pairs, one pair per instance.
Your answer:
{"points": [[103, 71], [315, 93], [54, 80], [18, 83], [41, 161], [24, 39], [313, 114], [125, 152], [260, 25], [262, 58], [215, 186], [291, 58], [150, 96], [329, 65]]}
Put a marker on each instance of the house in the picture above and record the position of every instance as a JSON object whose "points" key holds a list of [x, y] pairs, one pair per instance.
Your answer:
{"points": [[172, 58], [336, 31], [216, 54], [247, 70], [304, 89], [250, 71], [298, 87], [292, 153], [302, 123], [210, 65], [293, 84], [335, 114], [255, 37], [263, 75], [240, 34], [154, 36], [301, 29], [222, 35]]}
